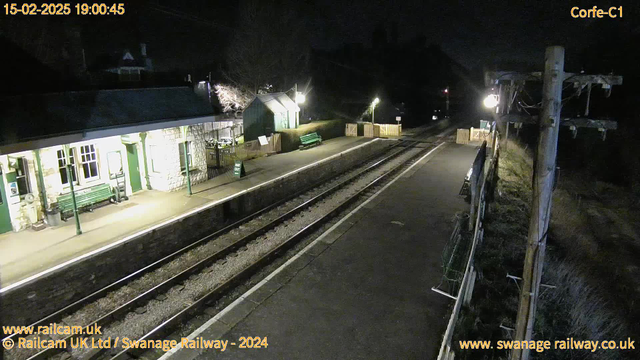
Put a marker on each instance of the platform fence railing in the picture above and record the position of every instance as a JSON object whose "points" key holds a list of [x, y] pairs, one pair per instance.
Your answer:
{"points": [[486, 184]]}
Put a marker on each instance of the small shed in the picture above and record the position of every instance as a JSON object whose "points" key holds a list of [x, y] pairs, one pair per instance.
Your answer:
{"points": [[269, 113]]}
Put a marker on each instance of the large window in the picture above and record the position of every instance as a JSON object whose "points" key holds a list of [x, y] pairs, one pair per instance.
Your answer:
{"points": [[22, 176], [89, 162], [62, 167], [183, 166]]}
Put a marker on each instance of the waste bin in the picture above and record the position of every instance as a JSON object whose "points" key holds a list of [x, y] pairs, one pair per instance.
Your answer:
{"points": [[53, 216]]}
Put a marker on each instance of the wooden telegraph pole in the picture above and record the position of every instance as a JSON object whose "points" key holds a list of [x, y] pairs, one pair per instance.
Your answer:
{"points": [[543, 180], [549, 122]]}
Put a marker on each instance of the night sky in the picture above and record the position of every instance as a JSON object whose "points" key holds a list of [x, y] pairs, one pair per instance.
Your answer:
{"points": [[473, 33], [183, 35]]}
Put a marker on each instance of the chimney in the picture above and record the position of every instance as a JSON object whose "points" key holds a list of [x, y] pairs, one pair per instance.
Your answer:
{"points": [[143, 49]]}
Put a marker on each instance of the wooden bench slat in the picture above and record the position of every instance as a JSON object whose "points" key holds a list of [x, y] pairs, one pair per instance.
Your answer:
{"points": [[311, 138], [85, 197]]}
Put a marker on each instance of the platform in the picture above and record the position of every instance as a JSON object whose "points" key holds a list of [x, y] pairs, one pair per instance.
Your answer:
{"points": [[362, 290], [28, 252]]}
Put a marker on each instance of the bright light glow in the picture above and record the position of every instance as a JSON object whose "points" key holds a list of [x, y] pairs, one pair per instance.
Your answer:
{"points": [[231, 98], [375, 102], [491, 101], [434, 117], [446, 91], [300, 98]]}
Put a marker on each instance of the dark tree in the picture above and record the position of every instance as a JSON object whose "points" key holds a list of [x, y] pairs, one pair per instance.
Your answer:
{"points": [[269, 46]]}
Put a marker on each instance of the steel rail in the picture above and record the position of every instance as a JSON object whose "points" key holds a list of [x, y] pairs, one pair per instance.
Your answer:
{"points": [[197, 267], [218, 292], [61, 313]]}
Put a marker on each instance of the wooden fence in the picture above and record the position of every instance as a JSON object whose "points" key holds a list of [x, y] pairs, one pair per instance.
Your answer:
{"points": [[351, 130], [462, 136], [479, 134], [379, 130], [390, 129]]}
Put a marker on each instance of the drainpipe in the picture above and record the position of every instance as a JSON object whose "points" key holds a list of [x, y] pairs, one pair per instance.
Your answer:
{"points": [[43, 191], [73, 194], [143, 138], [186, 163], [186, 158]]}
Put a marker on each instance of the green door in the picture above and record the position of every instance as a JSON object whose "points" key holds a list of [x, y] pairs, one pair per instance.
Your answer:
{"points": [[5, 217], [134, 168]]}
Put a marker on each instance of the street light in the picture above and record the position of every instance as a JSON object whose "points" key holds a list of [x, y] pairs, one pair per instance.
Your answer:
{"points": [[299, 98], [446, 93], [491, 101], [373, 109]]}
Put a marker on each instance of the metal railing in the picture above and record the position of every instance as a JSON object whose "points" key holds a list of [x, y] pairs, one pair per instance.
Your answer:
{"points": [[478, 205]]}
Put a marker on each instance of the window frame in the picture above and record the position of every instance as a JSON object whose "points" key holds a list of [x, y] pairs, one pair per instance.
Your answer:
{"points": [[22, 165], [183, 167], [86, 159], [63, 168]]}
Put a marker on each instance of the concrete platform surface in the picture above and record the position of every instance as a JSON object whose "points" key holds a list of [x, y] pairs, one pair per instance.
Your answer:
{"points": [[362, 291], [28, 252]]}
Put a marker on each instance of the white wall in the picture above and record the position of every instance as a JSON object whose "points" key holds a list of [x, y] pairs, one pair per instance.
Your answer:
{"points": [[21, 211], [162, 146], [163, 153]]}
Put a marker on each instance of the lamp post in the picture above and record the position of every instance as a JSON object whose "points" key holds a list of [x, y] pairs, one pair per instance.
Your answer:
{"points": [[299, 99], [73, 194], [373, 110], [446, 93], [186, 157]]}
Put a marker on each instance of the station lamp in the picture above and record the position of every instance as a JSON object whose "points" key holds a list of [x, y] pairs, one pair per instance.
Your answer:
{"points": [[300, 98], [373, 109], [491, 101]]}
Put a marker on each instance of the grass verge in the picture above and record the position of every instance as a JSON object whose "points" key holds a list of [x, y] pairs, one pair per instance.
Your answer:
{"points": [[574, 308]]}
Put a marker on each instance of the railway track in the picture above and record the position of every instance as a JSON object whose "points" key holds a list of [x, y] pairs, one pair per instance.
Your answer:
{"points": [[110, 316], [187, 312], [266, 221]]}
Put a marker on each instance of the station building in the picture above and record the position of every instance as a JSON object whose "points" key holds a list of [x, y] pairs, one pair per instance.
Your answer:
{"points": [[135, 135], [269, 113]]}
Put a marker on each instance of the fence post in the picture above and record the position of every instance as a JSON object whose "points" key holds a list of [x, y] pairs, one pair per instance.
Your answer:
{"points": [[469, 290]]}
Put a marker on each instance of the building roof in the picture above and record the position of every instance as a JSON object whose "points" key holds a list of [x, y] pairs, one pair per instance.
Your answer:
{"points": [[116, 59], [41, 116], [278, 102], [22, 73]]}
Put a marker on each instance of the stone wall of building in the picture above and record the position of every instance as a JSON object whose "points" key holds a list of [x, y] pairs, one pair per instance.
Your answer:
{"points": [[163, 162], [163, 151], [24, 214], [103, 146]]}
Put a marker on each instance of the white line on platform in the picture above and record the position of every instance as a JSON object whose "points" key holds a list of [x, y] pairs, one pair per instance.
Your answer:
{"points": [[257, 286], [172, 220]]}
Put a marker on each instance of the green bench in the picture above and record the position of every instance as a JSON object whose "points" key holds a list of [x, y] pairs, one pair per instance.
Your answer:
{"points": [[84, 198], [310, 140]]}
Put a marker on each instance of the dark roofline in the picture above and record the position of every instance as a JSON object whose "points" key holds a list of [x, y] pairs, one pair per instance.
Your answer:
{"points": [[94, 90], [68, 114]]}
